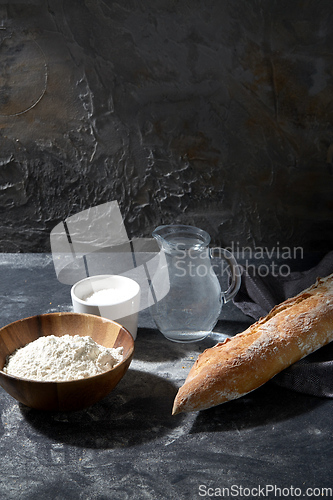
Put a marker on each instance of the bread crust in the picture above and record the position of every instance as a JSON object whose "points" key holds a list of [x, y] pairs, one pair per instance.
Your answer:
{"points": [[290, 331]]}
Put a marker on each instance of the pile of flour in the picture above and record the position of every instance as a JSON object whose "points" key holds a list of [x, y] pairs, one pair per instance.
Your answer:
{"points": [[107, 296], [56, 359]]}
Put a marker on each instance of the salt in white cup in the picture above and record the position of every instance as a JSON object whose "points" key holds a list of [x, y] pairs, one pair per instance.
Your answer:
{"points": [[110, 296]]}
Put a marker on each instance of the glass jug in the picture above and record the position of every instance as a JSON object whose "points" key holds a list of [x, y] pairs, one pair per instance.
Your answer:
{"points": [[185, 296]]}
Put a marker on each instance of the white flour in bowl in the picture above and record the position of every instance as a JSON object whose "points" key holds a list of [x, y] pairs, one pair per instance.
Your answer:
{"points": [[58, 359]]}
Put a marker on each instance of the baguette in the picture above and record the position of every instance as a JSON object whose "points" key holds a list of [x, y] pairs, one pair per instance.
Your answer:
{"points": [[291, 330]]}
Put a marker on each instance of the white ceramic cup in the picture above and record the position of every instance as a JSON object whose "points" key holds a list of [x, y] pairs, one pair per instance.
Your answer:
{"points": [[118, 299]]}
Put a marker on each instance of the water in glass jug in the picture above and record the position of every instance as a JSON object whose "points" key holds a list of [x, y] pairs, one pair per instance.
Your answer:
{"points": [[185, 296]]}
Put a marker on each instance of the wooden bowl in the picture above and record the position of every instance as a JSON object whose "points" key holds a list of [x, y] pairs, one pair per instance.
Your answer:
{"points": [[68, 395]]}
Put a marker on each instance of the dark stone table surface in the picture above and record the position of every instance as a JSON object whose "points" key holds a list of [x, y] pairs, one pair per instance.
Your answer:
{"points": [[271, 443]]}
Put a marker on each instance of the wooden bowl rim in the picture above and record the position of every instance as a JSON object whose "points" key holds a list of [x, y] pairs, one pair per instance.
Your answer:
{"points": [[76, 381]]}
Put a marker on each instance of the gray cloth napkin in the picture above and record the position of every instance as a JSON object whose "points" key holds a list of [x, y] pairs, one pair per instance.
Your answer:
{"points": [[258, 295]]}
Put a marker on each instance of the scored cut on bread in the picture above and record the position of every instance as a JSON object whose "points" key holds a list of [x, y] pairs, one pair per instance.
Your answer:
{"points": [[290, 331]]}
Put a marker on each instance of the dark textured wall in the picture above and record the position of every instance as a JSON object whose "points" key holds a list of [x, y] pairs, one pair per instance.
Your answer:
{"points": [[212, 113]]}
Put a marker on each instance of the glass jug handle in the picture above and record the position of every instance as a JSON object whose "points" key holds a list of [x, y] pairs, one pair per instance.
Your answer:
{"points": [[222, 253]]}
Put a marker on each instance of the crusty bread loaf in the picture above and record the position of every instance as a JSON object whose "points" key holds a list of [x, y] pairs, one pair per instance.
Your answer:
{"points": [[291, 331]]}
